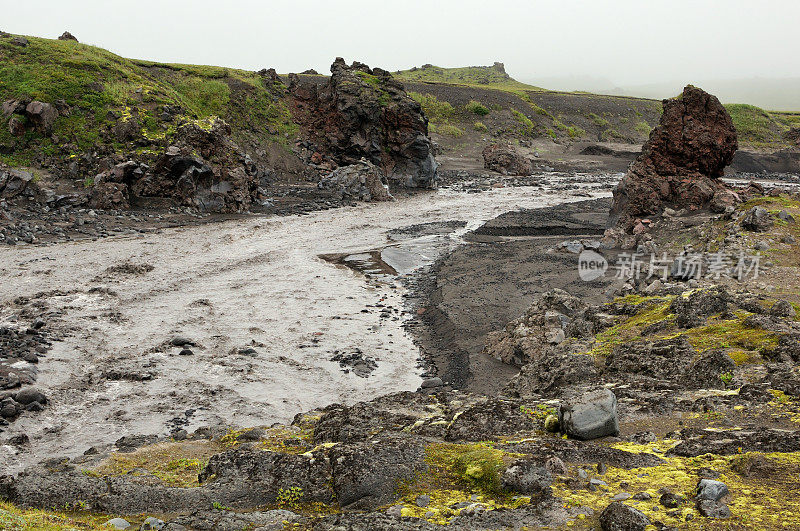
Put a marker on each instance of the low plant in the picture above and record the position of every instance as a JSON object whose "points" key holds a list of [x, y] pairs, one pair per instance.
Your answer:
{"points": [[575, 132], [476, 107], [538, 110], [479, 126], [446, 129], [602, 122], [643, 128], [527, 125], [435, 110], [290, 498]]}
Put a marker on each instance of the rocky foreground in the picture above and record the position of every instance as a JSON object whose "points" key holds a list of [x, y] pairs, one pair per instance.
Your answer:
{"points": [[672, 405]]}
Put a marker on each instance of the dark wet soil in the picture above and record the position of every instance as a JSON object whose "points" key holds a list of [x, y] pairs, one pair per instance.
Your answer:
{"points": [[479, 287]]}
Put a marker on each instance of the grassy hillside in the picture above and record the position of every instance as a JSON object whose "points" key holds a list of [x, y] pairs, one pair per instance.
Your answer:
{"points": [[761, 128], [570, 115], [472, 76], [103, 89], [458, 111]]}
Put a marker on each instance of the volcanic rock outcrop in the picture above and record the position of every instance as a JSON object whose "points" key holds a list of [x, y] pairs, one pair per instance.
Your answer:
{"points": [[362, 182], [364, 112], [203, 169], [505, 159], [24, 114], [681, 163]]}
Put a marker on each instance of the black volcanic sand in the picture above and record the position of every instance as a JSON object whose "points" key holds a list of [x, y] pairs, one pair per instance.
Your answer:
{"points": [[481, 286]]}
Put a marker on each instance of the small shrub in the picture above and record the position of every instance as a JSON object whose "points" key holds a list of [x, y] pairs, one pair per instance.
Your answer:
{"points": [[575, 132], [602, 122], [479, 126], [527, 125], [290, 498], [88, 182], [643, 128], [476, 107], [434, 109], [446, 129], [538, 110], [726, 378]]}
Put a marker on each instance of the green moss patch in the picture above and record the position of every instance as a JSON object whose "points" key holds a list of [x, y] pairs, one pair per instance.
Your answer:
{"points": [[435, 110], [647, 311], [731, 334], [177, 464], [13, 518], [752, 502], [744, 341], [100, 87], [459, 473], [757, 126]]}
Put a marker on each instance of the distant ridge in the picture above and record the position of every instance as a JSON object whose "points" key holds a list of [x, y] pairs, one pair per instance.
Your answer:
{"points": [[494, 76]]}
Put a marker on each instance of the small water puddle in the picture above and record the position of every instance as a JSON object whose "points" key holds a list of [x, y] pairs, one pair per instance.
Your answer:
{"points": [[412, 247]]}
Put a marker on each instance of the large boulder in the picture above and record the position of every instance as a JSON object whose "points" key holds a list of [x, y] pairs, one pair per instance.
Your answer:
{"points": [[14, 182], [543, 324], [504, 159], [590, 416], [364, 112], [362, 181], [681, 163], [42, 115], [757, 220], [366, 475], [24, 113], [110, 196], [250, 477], [553, 372], [203, 169], [620, 517], [527, 476]]}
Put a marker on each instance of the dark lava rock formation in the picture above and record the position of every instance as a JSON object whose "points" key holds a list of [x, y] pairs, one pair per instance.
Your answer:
{"points": [[365, 113], [505, 159], [204, 168], [681, 163]]}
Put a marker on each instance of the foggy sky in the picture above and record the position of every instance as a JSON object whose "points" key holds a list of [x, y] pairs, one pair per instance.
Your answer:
{"points": [[628, 42]]}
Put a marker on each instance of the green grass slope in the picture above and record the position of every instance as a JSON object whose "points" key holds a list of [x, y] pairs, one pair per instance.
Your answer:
{"points": [[493, 76], [103, 88], [760, 128]]}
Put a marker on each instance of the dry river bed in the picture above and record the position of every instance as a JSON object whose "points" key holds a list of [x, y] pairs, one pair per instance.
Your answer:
{"points": [[265, 312]]}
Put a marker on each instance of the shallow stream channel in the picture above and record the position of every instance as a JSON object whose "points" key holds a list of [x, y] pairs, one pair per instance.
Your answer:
{"points": [[280, 315]]}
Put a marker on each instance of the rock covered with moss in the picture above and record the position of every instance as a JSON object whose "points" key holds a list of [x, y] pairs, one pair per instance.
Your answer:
{"points": [[203, 169], [364, 112], [200, 136]]}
